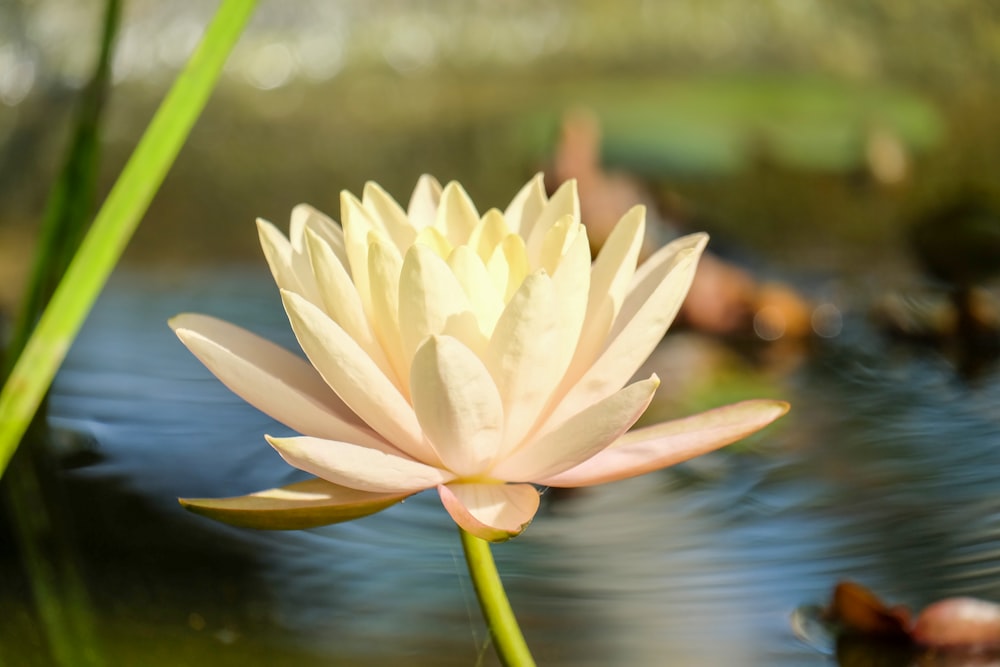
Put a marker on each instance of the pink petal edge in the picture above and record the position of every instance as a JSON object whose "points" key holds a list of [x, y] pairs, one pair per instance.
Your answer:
{"points": [[662, 445], [512, 507]]}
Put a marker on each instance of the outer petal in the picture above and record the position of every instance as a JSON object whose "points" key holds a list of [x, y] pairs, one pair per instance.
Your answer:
{"points": [[308, 504], [494, 512], [289, 267], [315, 222], [647, 312], [280, 384], [356, 378], [653, 447], [580, 437], [357, 467], [457, 404], [393, 219], [340, 299], [610, 278]]}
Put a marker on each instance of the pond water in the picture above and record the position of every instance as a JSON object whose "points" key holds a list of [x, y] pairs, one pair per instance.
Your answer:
{"points": [[884, 472]]}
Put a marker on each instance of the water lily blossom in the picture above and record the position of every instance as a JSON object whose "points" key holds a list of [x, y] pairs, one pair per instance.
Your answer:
{"points": [[484, 355]]}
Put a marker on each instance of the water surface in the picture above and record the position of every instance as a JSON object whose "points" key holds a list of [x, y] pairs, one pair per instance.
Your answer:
{"points": [[882, 473]]}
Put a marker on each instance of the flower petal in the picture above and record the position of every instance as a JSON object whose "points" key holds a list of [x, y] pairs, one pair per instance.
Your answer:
{"points": [[486, 301], [358, 467], [580, 437], [611, 276], [644, 318], [457, 404], [308, 504], [422, 209], [357, 225], [277, 382], [520, 354], [456, 214], [661, 445], [526, 206], [289, 267], [493, 512], [564, 202], [340, 299], [308, 220], [356, 378], [393, 218], [488, 234], [432, 302], [384, 266]]}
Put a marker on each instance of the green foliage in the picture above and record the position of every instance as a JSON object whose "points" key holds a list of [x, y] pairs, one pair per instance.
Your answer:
{"points": [[114, 225]]}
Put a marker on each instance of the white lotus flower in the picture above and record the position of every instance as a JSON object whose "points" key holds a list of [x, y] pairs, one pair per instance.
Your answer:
{"points": [[482, 355]]}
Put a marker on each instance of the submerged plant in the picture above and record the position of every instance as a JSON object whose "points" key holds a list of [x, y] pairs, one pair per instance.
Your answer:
{"points": [[484, 356]]}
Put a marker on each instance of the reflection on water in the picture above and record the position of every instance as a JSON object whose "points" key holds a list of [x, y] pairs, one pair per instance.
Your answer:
{"points": [[883, 473]]}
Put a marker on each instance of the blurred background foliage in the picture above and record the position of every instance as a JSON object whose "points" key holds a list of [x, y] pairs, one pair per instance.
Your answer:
{"points": [[808, 131]]}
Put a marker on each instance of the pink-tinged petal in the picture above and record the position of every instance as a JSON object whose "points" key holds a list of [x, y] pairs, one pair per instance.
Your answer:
{"points": [[307, 219], [385, 209], [644, 318], [280, 384], [432, 302], [580, 437], [526, 206], [492, 512], [308, 504], [356, 378], [519, 355], [564, 202], [422, 209], [340, 300], [456, 214], [358, 467], [457, 404], [661, 445]]}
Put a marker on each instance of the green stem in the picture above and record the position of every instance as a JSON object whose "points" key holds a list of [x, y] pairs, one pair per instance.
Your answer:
{"points": [[114, 224], [507, 638]]}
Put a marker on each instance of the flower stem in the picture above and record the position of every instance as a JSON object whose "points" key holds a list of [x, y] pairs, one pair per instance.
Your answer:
{"points": [[507, 638]]}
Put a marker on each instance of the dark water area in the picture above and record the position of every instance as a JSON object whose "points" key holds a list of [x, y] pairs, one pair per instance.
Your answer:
{"points": [[884, 473]]}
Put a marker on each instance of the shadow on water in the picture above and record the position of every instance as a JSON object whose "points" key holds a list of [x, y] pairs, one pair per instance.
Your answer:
{"points": [[883, 473]]}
